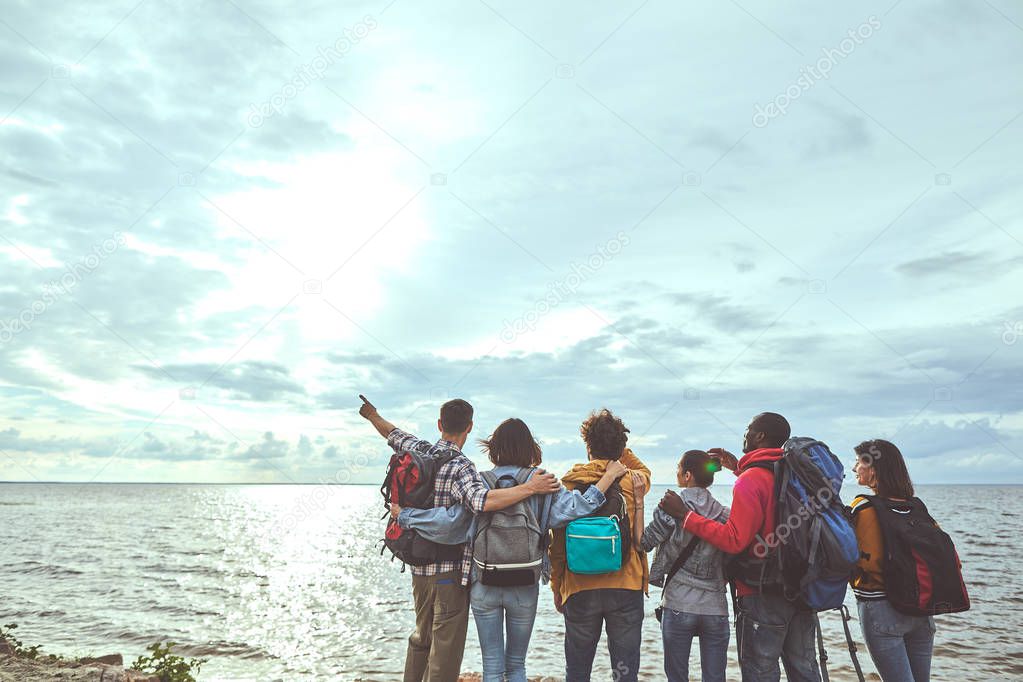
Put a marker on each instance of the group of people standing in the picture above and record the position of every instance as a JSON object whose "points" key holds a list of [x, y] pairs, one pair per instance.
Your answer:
{"points": [[694, 538]]}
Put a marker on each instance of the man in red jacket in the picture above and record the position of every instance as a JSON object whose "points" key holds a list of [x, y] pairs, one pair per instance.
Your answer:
{"points": [[768, 626]]}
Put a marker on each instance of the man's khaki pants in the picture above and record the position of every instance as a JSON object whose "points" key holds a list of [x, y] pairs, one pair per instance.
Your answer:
{"points": [[442, 617]]}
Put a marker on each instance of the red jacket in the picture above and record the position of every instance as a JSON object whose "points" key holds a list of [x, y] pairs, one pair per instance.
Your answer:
{"points": [[752, 510]]}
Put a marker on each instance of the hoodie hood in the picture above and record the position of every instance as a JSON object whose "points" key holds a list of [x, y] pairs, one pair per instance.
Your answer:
{"points": [[586, 472], [703, 503], [771, 455], [591, 471]]}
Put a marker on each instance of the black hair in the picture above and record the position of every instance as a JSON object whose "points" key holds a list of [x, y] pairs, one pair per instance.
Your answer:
{"points": [[697, 463], [775, 428]]}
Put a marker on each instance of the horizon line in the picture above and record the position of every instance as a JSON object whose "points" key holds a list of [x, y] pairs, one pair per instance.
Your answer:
{"points": [[330, 483]]}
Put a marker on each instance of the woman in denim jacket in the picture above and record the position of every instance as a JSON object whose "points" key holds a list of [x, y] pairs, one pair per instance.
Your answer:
{"points": [[693, 603], [504, 615]]}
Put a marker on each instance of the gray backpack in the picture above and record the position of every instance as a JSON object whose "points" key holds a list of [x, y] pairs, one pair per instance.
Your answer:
{"points": [[509, 545]]}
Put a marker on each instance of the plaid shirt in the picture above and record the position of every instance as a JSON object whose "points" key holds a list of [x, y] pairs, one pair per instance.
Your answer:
{"points": [[458, 482]]}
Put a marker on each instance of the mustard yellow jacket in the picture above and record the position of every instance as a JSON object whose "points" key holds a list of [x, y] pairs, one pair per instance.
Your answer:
{"points": [[634, 573]]}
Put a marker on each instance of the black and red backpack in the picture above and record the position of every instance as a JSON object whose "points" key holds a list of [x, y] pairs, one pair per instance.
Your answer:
{"points": [[922, 573], [410, 483]]}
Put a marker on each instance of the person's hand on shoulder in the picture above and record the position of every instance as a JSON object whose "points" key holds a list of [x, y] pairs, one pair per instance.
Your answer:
{"points": [[672, 505], [543, 483], [616, 469], [638, 485]]}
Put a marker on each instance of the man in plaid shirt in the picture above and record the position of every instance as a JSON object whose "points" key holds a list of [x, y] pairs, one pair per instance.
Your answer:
{"points": [[441, 590]]}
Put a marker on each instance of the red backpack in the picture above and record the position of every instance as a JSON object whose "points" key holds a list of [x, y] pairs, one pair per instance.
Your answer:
{"points": [[410, 483], [922, 572]]}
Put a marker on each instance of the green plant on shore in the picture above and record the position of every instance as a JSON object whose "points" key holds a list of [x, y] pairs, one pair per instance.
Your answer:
{"points": [[20, 650], [169, 666]]}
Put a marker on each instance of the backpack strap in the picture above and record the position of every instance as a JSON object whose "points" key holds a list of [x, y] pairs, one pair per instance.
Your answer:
{"points": [[523, 475], [544, 522], [773, 467], [490, 478], [744, 564], [849, 640], [493, 481], [820, 647], [923, 508], [546, 501], [683, 557], [884, 512], [385, 487]]}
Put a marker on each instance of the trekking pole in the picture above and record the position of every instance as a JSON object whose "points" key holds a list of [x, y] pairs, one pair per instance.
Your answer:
{"points": [[823, 652], [852, 645]]}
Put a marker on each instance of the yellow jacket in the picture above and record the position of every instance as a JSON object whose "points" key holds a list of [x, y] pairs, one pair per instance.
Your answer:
{"points": [[868, 577], [634, 573]]}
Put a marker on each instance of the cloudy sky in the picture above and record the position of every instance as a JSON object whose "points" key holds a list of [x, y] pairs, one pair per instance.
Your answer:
{"points": [[221, 221]]}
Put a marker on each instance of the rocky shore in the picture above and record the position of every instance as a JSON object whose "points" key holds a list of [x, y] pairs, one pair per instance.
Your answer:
{"points": [[44, 669], [104, 669]]}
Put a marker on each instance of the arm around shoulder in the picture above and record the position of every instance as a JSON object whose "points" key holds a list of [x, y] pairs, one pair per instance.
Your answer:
{"points": [[445, 525], [657, 531], [634, 463], [569, 505], [744, 521]]}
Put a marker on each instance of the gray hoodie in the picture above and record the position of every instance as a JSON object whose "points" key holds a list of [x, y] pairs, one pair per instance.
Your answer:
{"points": [[699, 587]]}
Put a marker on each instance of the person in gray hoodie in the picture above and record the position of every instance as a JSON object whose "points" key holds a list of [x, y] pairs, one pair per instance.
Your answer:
{"points": [[693, 602]]}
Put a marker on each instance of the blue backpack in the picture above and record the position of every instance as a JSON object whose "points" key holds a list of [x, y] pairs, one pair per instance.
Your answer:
{"points": [[597, 544], [813, 549]]}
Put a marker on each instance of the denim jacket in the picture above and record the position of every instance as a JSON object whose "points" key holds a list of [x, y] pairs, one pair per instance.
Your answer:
{"points": [[701, 581], [455, 525]]}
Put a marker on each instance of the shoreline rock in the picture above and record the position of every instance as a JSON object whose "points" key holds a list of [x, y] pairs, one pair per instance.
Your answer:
{"points": [[98, 669]]}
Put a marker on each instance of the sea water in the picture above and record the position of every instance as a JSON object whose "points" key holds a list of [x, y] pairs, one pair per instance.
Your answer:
{"points": [[287, 582]]}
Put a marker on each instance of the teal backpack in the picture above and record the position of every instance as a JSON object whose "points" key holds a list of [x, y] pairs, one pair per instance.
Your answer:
{"points": [[596, 544]]}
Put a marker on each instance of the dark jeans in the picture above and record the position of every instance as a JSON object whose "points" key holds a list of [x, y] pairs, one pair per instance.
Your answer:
{"points": [[678, 629], [900, 645], [586, 613], [769, 627]]}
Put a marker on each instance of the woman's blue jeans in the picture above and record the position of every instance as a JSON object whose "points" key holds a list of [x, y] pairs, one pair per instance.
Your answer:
{"points": [[504, 620], [900, 645], [678, 629]]}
